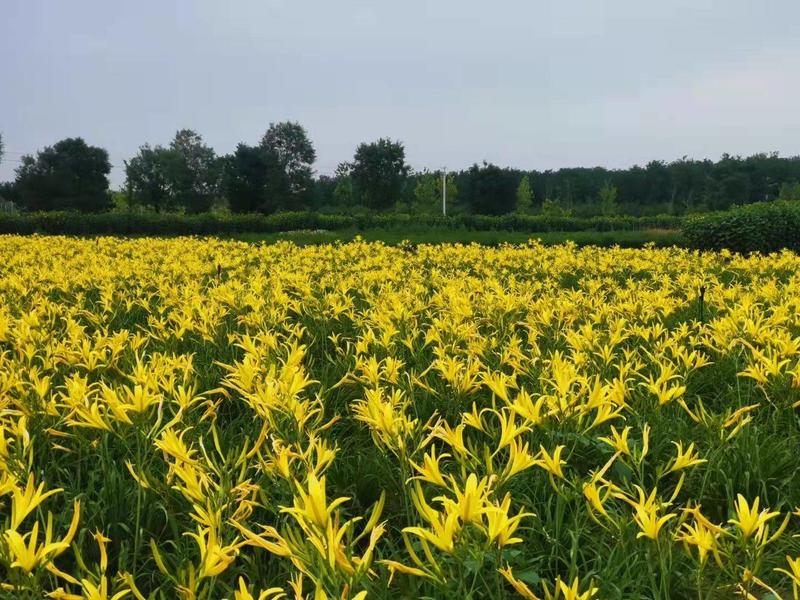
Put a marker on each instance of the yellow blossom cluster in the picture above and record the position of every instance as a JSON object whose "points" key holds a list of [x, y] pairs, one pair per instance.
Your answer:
{"points": [[201, 419]]}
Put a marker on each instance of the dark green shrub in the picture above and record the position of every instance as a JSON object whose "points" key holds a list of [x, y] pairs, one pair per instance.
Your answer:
{"points": [[760, 227], [120, 223]]}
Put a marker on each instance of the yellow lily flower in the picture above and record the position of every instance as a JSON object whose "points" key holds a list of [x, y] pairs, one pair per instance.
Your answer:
{"points": [[25, 501], [748, 518], [685, 459]]}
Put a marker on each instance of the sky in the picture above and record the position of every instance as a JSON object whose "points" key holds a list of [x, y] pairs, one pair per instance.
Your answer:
{"points": [[534, 84]]}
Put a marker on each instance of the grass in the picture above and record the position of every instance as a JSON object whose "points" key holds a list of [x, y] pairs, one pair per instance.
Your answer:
{"points": [[625, 239]]}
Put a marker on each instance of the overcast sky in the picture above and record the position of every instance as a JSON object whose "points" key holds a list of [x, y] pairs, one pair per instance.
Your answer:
{"points": [[534, 84]]}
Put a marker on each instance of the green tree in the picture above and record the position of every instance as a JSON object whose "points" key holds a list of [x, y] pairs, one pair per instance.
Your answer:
{"points": [[192, 172], [343, 189], [554, 208], [288, 146], [70, 175], [524, 196], [2, 148], [428, 192], [255, 180], [146, 178], [378, 171], [790, 190], [490, 190], [608, 199]]}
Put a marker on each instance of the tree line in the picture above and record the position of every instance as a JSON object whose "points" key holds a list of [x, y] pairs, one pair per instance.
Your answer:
{"points": [[277, 174]]}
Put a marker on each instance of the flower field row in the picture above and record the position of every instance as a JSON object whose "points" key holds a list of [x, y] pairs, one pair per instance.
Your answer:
{"points": [[205, 419]]}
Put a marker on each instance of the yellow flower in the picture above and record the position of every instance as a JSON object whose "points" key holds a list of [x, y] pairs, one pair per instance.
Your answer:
{"points": [[214, 557], [312, 505], [592, 494], [386, 417], [398, 567], [28, 556], [499, 527], [499, 384], [441, 533], [572, 592], [794, 570], [530, 411], [748, 519], [686, 459], [646, 511], [509, 430], [552, 462], [704, 538], [470, 503], [618, 440], [520, 587], [273, 593], [173, 445], [430, 470], [519, 459], [660, 386], [23, 502]]}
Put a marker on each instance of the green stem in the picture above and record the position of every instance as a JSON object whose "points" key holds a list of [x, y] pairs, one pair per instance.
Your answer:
{"points": [[136, 534]]}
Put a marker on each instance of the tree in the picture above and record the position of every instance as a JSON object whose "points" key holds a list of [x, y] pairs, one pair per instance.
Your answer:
{"points": [[377, 173], [428, 192], [294, 153], [324, 189], [553, 208], [244, 179], [192, 172], [490, 190], [343, 192], [608, 199], [2, 148], [146, 176], [69, 175], [524, 196], [790, 190]]}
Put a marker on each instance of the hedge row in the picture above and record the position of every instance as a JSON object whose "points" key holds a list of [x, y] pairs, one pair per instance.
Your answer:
{"points": [[215, 224], [761, 227]]}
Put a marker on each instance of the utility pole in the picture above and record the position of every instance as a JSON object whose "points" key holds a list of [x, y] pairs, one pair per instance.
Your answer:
{"points": [[444, 191]]}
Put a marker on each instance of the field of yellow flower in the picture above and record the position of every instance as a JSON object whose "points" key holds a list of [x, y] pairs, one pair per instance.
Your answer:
{"points": [[204, 419]]}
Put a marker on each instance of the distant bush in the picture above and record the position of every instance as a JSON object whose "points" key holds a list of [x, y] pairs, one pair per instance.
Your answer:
{"points": [[760, 227], [224, 224]]}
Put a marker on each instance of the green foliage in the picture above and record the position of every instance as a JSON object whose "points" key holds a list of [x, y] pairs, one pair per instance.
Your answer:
{"points": [[149, 223], [120, 201], [790, 190], [553, 208], [378, 172], [343, 189], [290, 156], [184, 176], [608, 199], [421, 235], [192, 171], [246, 179], [524, 196], [70, 175], [275, 175], [146, 179], [8, 191], [490, 190], [428, 192], [760, 227]]}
